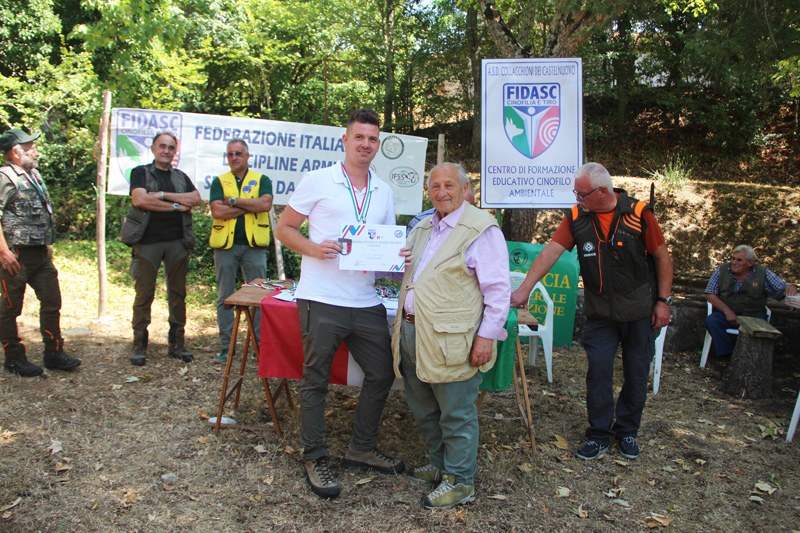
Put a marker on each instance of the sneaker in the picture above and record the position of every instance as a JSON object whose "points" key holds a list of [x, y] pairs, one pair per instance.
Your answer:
{"points": [[447, 495], [628, 447], [139, 356], [60, 361], [222, 357], [179, 351], [320, 478], [427, 474], [592, 450], [22, 367], [373, 460]]}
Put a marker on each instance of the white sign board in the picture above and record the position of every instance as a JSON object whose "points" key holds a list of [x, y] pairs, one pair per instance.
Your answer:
{"points": [[532, 126], [283, 151]]}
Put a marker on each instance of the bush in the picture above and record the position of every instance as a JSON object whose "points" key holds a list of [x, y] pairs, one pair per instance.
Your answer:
{"points": [[674, 174]]}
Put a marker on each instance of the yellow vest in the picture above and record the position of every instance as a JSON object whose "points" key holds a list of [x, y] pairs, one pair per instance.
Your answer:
{"points": [[256, 225], [448, 304]]}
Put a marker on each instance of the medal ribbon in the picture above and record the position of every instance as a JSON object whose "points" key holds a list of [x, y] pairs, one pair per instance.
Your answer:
{"points": [[361, 211]]}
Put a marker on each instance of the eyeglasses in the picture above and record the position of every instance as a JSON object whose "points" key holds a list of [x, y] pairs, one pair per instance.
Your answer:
{"points": [[235, 154], [582, 196]]}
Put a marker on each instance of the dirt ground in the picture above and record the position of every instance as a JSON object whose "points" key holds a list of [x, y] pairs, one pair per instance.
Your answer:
{"points": [[86, 451]]}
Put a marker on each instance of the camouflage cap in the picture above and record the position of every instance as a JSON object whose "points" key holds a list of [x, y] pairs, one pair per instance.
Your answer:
{"points": [[11, 138]]}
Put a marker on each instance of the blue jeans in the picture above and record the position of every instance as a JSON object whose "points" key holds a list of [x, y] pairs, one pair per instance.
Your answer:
{"points": [[601, 339], [253, 262], [716, 324], [445, 413]]}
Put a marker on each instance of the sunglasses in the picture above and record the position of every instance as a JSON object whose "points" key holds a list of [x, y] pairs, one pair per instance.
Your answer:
{"points": [[235, 154]]}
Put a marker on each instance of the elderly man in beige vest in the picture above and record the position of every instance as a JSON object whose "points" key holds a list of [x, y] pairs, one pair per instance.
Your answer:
{"points": [[454, 301]]}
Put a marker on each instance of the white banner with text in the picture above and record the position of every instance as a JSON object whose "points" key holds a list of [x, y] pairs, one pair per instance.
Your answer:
{"points": [[283, 151], [532, 138]]}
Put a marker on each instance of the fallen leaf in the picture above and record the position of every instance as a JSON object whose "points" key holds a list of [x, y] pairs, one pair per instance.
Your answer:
{"points": [[622, 503], [116, 386], [580, 512], [526, 468], [289, 450], [183, 370], [55, 447], [546, 393], [560, 442], [61, 467], [496, 497], [765, 487], [260, 448], [701, 462], [757, 499], [131, 379], [651, 482], [609, 518], [657, 520], [11, 505], [268, 480], [562, 492], [364, 481], [620, 462], [203, 439]]}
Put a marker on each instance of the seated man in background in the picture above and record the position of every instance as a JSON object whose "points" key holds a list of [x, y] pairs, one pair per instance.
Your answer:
{"points": [[740, 287]]}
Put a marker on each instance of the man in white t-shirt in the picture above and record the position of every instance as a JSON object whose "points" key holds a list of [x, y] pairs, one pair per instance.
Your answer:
{"points": [[338, 306]]}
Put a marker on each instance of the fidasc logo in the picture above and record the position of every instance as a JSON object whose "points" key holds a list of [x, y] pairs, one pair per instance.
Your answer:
{"points": [[588, 247], [135, 130], [404, 177], [531, 116]]}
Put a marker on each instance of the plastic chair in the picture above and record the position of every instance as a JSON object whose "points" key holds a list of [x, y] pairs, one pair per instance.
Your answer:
{"points": [[655, 366], [795, 419], [544, 330], [730, 331]]}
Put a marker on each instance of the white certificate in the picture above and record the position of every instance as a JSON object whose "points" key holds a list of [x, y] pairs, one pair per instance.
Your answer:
{"points": [[372, 247]]}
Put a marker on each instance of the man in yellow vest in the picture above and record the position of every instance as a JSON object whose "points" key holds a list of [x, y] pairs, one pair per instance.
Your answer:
{"points": [[454, 301], [240, 203]]}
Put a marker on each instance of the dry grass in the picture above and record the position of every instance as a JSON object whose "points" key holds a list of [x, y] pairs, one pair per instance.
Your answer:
{"points": [[702, 451]]}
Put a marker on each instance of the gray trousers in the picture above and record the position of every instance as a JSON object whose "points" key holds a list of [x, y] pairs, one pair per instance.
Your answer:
{"points": [[253, 262], [365, 332], [145, 262]]}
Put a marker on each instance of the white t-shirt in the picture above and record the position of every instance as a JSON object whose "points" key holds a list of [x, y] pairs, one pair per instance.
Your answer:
{"points": [[324, 197]]}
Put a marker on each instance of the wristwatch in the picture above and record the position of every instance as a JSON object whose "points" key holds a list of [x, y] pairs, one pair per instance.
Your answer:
{"points": [[176, 206], [232, 201], [667, 300]]}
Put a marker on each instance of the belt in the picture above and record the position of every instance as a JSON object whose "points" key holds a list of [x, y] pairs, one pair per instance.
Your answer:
{"points": [[408, 318]]}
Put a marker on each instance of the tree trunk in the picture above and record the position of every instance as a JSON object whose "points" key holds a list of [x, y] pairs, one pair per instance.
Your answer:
{"points": [[473, 41], [750, 374], [388, 43]]}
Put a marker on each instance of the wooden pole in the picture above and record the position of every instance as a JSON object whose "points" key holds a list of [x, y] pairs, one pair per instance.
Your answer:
{"points": [[440, 150], [277, 243], [102, 170]]}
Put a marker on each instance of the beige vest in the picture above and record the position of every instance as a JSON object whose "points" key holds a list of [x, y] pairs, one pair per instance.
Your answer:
{"points": [[448, 304]]}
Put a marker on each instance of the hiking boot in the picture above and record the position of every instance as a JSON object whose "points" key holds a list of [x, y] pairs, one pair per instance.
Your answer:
{"points": [[427, 474], [221, 357], [628, 447], [139, 356], [591, 451], [447, 495], [60, 361], [320, 478], [22, 367], [373, 460], [179, 351]]}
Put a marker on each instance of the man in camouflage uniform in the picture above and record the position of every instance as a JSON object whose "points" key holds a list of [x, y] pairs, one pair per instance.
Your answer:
{"points": [[26, 213]]}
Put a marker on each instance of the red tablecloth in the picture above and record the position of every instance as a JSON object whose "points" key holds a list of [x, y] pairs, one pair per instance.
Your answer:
{"points": [[281, 350]]}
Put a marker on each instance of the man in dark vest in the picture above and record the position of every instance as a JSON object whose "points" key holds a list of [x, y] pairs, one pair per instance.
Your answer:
{"points": [[740, 287], [163, 198], [627, 278], [240, 201], [25, 256]]}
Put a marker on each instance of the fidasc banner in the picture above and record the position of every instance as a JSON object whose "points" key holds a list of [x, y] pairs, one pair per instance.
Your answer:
{"points": [[283, 151], [532, 140]]}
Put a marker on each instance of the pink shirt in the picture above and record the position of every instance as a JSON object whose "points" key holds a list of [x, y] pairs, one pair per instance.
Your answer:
{"points": [[486, 258]]}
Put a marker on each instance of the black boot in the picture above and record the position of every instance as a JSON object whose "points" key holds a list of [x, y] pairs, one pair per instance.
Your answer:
{"points": [[22, 367]]}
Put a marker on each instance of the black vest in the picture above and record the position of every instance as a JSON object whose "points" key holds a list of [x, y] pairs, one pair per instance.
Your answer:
{"points": [[618, 275], [752, 296]]}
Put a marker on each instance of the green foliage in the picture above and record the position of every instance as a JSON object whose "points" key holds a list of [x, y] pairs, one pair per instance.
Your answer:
{"points": [[674, 174]]}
